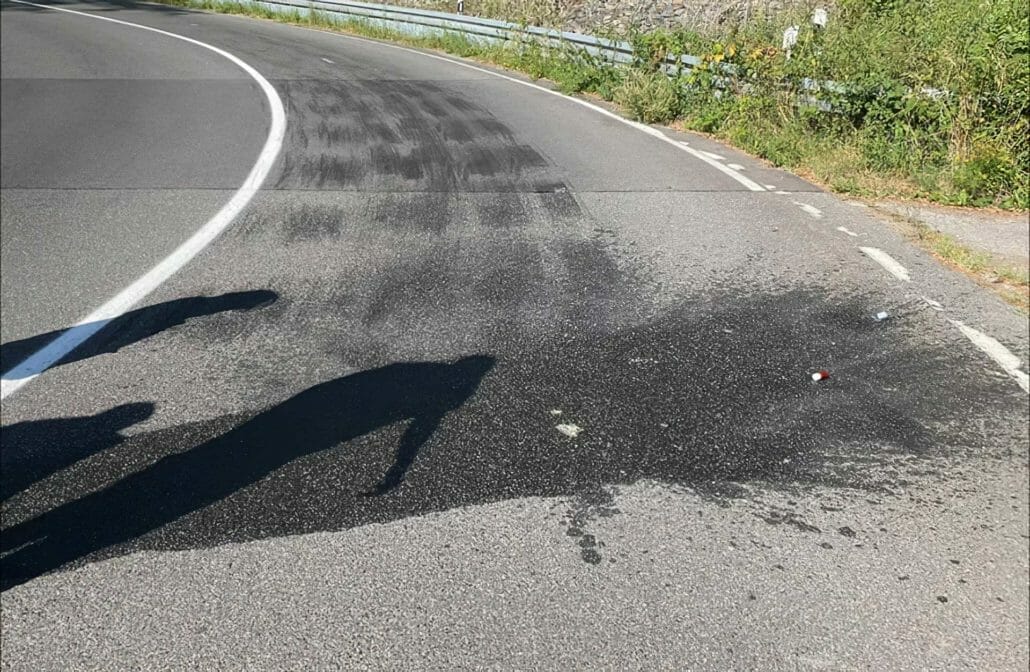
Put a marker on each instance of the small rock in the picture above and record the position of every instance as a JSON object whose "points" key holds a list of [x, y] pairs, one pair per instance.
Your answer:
{"points": [[569, 430], [942, 599]]}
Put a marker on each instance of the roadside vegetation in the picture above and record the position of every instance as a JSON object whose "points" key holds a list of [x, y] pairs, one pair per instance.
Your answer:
{"points": [[927, 98], [1010, 282]]}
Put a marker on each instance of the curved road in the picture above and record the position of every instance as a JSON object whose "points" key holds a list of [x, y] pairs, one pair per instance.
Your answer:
{"points": [[115, 145], [482, 378]]}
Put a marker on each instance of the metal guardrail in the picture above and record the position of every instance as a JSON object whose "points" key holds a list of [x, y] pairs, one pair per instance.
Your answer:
{"points": [[417, 22], [421, 23]]}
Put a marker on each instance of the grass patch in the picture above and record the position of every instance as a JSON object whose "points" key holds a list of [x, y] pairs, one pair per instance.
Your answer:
{"points": [[1013, 284], [928, 97]]}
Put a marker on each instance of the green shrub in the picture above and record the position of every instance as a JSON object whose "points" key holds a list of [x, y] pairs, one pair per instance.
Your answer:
{"points": [[650, 97], [931, 93]]}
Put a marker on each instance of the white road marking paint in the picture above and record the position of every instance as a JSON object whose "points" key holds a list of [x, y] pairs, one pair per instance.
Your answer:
{"points": [[750, 184], [1008, 362], [810, 209], [783, 193], [75, 336], [888, 262], [771, 187], [713, 155], [736, 166], [936, 305], [569, 430], [844, 229], [747, 182], [327, 60]]}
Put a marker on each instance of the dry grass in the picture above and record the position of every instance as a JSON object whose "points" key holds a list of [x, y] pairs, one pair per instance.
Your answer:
{"points": [[1012, 284]]}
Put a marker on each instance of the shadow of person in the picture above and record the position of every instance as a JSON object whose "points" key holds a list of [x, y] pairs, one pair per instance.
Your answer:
{"points": [[32, 450], [318, 418], [136, 325]]}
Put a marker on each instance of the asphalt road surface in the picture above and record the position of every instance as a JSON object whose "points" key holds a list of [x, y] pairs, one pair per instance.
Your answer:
{"points": [[482, 377]]}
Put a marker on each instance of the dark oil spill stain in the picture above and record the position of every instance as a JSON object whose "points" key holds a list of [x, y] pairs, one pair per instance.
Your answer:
{"points": [[745, 412], [787, 518], [589, 505]]}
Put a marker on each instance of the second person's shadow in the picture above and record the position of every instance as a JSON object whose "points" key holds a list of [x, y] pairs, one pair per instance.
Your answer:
{"points": [[318, 418]]}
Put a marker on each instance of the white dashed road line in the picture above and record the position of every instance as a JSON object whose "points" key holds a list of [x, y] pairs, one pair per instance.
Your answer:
{"points": [[747, 182], [888, 263], [1008, 362], [810, 210], [844, 229]]}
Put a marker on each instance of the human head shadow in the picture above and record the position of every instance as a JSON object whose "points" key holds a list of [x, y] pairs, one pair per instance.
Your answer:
{"points": [[316, 419], [34, 449], [136, 325]]}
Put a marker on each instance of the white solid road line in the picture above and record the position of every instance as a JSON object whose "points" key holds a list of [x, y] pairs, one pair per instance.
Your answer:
{"points": [[1008, 362], [54, 351], [887, 261]]}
